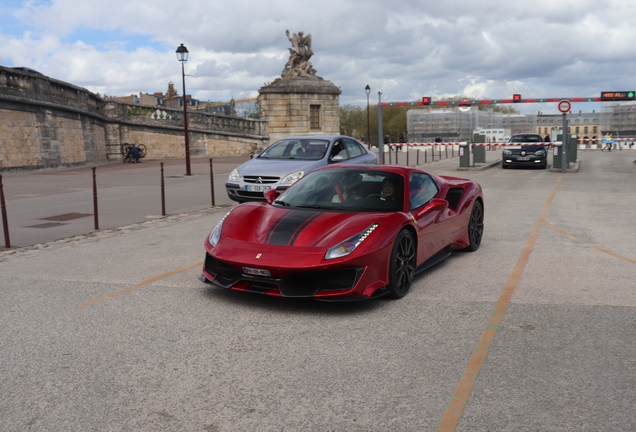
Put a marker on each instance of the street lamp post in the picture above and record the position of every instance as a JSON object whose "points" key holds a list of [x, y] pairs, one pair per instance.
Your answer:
{"points": [[367, 89], [182, 56], [380, 131]]}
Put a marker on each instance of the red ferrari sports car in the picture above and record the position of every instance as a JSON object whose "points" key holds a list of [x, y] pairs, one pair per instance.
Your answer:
{"points": [[345, 232]]}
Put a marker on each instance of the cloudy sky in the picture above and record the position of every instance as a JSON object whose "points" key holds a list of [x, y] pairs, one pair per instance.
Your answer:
{"points": [[406, 48]]}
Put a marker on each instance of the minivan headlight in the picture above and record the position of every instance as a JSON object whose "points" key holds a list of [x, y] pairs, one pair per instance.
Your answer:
{"points": [[507, 152], [291, 178], [235, 176], [539, 152]]}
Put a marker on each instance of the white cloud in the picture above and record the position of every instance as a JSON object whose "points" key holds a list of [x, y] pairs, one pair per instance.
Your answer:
{"points": [[411, 48]]}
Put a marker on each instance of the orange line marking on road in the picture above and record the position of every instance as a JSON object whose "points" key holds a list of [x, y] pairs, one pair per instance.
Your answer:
{"points": [[455, 407], [600, 249], [146, 282]]}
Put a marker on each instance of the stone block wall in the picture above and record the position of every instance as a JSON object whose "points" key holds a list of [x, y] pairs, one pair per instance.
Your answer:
{"points": [[161, 144], [19, 144], [286, 103], [48, 123]]}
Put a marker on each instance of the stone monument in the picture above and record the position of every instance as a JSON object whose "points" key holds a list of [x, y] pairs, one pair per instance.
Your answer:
{"points": [[300, 102]]}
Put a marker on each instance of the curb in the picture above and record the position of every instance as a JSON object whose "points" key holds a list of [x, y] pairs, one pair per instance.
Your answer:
{"points": [[480, 167], [6, 254]]}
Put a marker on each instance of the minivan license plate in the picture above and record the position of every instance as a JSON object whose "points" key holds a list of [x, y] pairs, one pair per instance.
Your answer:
{"points": [[257, 188]]}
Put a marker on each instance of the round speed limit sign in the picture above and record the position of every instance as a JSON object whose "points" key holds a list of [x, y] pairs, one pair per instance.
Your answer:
{"points": [[565, 106]]}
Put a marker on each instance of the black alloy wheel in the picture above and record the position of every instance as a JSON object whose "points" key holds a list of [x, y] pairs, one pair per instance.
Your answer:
{"points": [[402, 266], [475, 226]]}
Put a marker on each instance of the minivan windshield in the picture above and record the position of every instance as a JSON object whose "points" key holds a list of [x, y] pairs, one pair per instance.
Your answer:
{"points": [[296, 149]]}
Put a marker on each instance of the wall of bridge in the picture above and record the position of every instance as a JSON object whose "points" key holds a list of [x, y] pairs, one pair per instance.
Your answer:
{"points": [[48, 123]]}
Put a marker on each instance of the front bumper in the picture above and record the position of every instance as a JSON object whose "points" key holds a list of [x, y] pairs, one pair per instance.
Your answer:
{"points": [[298, 284], [236, 192], [532, 160]]}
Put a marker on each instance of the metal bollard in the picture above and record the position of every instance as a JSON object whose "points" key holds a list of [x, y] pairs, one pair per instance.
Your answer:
{"points": [[212, 182], [5, 221], [96, 217], [163, 193]]}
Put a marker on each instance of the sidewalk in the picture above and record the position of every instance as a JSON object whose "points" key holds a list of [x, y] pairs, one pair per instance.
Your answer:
{"points": [[53, 204]]}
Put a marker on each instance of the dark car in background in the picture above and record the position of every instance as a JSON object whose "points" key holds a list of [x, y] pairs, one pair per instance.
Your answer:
{"points": [[289, 159], [531, 151]]}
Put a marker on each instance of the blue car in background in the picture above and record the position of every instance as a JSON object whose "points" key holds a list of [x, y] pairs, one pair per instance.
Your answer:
{"points": [[287, 160]]}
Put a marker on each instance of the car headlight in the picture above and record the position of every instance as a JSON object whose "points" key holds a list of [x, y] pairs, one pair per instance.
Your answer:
{"points": [[507, 152], [539, 153], [349, 245], [291, 178], [215, 235], [235, 176]]}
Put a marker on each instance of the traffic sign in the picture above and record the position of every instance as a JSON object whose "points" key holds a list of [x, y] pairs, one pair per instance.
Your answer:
{"points": [[565, 106]]}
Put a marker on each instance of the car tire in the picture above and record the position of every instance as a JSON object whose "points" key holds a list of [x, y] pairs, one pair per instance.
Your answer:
{"points": [[475, 227], [402, 265]]}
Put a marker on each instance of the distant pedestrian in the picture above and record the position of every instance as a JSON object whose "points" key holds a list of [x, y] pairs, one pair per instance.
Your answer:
{"points": [[387, 141], [401, 140], [133, 154], [547, 138], [608, 143]]}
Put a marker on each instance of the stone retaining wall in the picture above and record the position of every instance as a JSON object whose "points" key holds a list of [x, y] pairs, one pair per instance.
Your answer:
{"points": [[48, 123]]}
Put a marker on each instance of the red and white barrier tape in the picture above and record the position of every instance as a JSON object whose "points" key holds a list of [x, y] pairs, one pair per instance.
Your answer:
{"points": [[474, 144], [603, 139]]}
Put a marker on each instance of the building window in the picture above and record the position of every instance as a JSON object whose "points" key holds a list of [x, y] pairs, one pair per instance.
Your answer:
{"points": [[314, 116], [585, 129], [576, 130], [594, 128]]}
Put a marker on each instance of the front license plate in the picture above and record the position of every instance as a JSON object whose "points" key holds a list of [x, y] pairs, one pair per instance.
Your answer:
{"points": [[523, 158], [256, 272], [257, 188]]}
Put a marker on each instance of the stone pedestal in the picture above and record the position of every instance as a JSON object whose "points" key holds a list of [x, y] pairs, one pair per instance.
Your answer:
{"points": [[300, 106]]}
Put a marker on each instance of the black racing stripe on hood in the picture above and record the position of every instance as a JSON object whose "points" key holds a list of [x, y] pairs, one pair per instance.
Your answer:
{"points": [[272, 229], [287, 228]]}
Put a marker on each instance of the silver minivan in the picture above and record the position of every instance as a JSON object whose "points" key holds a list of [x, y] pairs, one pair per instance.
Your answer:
{"points": [[287, 160]]}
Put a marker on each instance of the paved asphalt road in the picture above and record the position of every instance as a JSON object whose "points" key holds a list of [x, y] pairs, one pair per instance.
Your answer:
{"points": [[112, 331]]}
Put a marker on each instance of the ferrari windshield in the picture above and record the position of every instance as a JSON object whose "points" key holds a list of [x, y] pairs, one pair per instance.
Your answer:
{"points": [[295, 149], [346, 189]]}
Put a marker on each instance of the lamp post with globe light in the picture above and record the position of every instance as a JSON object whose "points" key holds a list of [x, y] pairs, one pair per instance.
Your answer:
{"points": [[182, 56]]}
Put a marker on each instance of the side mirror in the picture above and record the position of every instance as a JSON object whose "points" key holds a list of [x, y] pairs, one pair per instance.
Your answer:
{"points": [[436, 204], [338, 158], [271, 195]]}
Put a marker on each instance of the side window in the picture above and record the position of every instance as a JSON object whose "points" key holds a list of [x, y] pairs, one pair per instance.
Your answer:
{"points": [[422, 188], [354, 148], [338, 150]]}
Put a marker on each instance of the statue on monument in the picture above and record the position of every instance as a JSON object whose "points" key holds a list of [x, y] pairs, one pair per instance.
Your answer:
{"points": [[298, 64], [171, 91]]}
